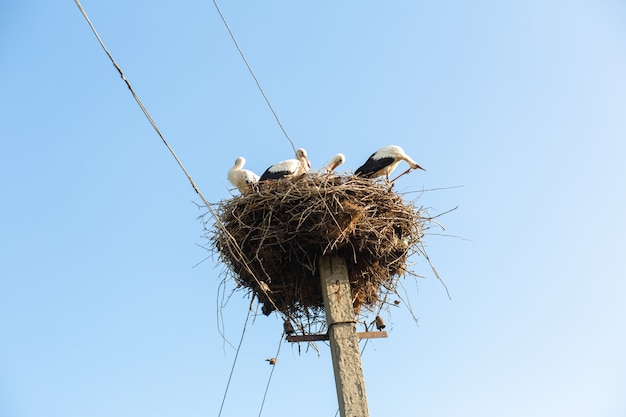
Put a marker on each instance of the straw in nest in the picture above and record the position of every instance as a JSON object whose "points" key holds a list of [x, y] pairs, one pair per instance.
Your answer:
{"points": [[271, 239]]}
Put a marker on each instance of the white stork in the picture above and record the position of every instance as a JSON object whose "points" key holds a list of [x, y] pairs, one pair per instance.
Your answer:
{"points": [[384, 161], [337, 160], [288, 168], [241, 178]]}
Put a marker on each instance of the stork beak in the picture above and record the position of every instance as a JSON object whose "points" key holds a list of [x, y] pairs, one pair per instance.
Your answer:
{"points": [[419, 167]]}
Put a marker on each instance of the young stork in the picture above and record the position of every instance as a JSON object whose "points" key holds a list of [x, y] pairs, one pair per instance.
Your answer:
{"points": [[241, 178], [288, 168], [384, 161], [337, 160]]}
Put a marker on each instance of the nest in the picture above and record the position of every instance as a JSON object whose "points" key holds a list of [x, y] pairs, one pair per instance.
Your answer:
{"points": [[271, 239]]}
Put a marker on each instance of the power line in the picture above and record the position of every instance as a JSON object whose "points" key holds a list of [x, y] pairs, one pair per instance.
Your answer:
{"points": [[232, 369], [280, 343], [196, 189], [180, 164], [232, 36], [143, 108]]}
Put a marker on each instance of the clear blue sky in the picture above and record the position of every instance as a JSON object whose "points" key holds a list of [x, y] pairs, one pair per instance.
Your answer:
{"points": [[102, 312]]}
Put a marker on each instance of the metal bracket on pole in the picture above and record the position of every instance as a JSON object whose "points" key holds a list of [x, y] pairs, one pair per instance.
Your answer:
{"points": [[321, 337]]}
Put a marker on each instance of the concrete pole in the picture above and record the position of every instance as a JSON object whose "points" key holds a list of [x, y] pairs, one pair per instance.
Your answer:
{"points": [[344, 343]]}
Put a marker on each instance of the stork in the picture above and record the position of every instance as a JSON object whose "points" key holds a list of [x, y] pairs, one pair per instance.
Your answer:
{"points": [[384, 161], [288, 168], [337, 160], [241, 178]]}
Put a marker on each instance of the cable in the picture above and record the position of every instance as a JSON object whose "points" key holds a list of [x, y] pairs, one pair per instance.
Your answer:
{"points": [[152, 122], [232, 36], [193, 184], [232, 369], [145, 111], [270, 377]]}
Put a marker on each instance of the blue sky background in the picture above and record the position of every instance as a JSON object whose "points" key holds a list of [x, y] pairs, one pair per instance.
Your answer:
{"points": [[102, 312]]}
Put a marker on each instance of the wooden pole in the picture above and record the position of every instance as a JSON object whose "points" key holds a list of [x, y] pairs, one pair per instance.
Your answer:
{"points": [[344, 343]]}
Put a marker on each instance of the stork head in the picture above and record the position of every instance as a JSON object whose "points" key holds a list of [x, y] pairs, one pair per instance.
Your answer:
{"points": [[337, 160], [416, 166], [240, 162], [301, 156], [400, 154]]}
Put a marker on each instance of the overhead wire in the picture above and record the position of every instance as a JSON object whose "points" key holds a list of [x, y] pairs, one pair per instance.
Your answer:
{"points": [[171, 150], [232, 369], [267, 387], [143, 108], [256, 80], [191, 181]]}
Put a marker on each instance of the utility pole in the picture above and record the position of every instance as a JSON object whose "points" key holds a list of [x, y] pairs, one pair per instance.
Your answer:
{"points": [[344, 341]]}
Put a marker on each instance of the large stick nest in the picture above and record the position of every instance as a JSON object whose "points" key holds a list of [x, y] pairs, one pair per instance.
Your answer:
{"points": [[271, 240]]}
